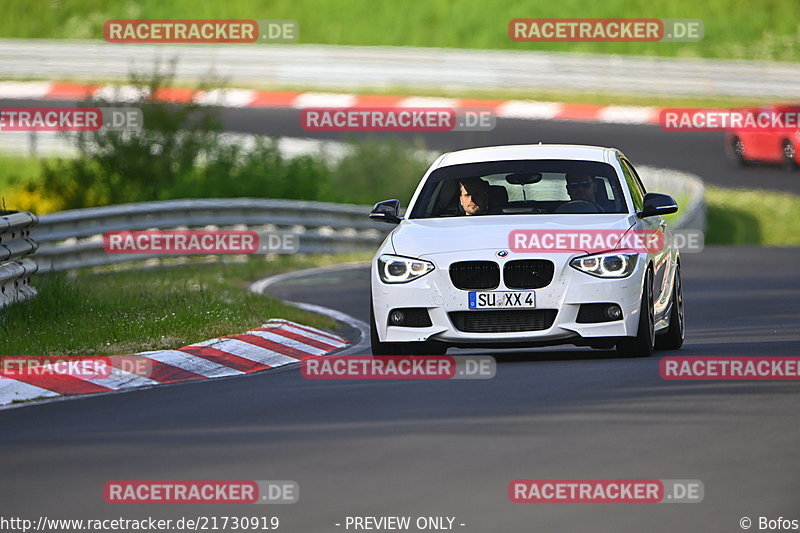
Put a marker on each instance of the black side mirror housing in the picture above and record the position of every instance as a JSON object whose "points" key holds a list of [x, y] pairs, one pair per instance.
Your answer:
{"points": [[657, 204], [386, 211]]}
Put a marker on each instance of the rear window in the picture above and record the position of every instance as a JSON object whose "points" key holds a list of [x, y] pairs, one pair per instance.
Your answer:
{"points": [[521, 187]]}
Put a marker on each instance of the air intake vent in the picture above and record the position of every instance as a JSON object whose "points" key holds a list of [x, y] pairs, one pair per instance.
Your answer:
{"points": [[503, 321], [471, 275], [528, 273]]}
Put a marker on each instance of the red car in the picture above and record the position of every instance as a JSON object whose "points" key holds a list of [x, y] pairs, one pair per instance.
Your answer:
{"points": [[767, 145]]}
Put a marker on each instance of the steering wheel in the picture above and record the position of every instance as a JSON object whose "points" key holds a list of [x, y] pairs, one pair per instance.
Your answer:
{"points": [[580, 206]]}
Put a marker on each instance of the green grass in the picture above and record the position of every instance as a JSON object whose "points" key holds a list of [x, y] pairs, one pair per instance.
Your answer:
{"points": [[15, 171], [683, 202], [117, 313], [736, 29], [16, 167], [750, 216]]}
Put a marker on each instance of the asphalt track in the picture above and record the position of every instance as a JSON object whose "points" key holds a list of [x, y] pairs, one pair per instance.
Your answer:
{"points": [[701, 153], [450, 448]]}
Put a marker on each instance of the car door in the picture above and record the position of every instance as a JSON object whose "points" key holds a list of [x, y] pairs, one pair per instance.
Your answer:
{"points": [[780, 136], [763, 140], [662, 266]]}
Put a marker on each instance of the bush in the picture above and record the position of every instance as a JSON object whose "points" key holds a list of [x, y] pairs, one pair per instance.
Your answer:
{"points": [[183, 153], [116, 167], [374, 171]]}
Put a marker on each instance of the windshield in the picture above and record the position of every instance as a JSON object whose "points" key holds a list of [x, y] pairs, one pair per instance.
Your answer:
{"points": [[521, 187]]}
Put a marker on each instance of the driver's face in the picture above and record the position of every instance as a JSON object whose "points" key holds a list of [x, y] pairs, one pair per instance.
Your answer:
{"points": [[473, 204], [582, 189]]}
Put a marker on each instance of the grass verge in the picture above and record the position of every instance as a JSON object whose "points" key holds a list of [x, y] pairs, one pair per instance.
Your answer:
{"points": [[15, 170], [117, 313], [733, 28], [14, 167], [752, 216]]}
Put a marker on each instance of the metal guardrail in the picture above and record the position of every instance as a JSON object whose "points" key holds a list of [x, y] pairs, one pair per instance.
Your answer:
{"points": [[74, 239], [16, 268], [360, 67], [687, 189]]}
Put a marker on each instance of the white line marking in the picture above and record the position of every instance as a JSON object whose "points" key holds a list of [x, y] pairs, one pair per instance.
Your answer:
{"points": [[528, 109], [226, 97], [250, 351], [291, 343], [425, 101], [627, 114], [260, 286], [24, 89], [120, 93], [324, 100], [362, 327], [189, 362], [120, 379], [315, 334], [11, 389]]}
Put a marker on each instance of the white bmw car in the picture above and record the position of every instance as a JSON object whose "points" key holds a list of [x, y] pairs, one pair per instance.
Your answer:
{"points": [[530, 245]]}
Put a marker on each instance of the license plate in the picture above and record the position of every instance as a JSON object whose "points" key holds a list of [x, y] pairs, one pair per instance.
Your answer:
{"points": [[501, 300]]}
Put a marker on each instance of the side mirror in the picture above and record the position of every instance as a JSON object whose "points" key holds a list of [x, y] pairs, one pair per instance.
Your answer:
{"points": [[386, 211], [657, 204]]}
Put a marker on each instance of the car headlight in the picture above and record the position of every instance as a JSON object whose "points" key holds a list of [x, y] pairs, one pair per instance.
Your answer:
{"points": [[608, 265], [396, 269]]}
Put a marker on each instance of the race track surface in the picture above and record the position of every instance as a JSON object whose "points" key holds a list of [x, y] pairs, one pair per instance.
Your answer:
{"points": [[700, 153], [450, 448]]}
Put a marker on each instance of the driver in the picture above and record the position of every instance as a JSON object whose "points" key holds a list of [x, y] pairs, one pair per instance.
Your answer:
{"points": [[582, 187], [474, 196]]}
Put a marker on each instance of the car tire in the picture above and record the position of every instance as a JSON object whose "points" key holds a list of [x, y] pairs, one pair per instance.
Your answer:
{"points": [[789, 156], [400, 348], [673, 338], [737, 152], [643, 344]]}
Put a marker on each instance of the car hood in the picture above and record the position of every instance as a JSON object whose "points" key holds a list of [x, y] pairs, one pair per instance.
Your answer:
{"points": [[430, 236]]}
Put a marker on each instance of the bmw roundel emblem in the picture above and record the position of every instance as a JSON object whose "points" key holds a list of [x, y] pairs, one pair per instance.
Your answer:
{"points": [[502, 253]]}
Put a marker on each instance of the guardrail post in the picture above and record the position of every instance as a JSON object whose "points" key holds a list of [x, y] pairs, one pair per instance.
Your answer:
{"points": [[16, 268]]}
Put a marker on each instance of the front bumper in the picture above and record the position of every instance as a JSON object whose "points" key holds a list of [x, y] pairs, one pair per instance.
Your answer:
{"points": [[566, 292]]}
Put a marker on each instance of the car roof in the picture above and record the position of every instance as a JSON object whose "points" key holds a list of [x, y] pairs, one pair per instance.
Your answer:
{"points": [[527, 151]]}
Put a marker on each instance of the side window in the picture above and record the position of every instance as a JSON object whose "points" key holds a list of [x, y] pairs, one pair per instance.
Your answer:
{"points": [[636, 175], [634, 184]]}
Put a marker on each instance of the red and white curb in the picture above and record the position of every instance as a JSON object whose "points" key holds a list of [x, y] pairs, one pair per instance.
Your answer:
{"points": [[237, 98], [275, 344]]}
